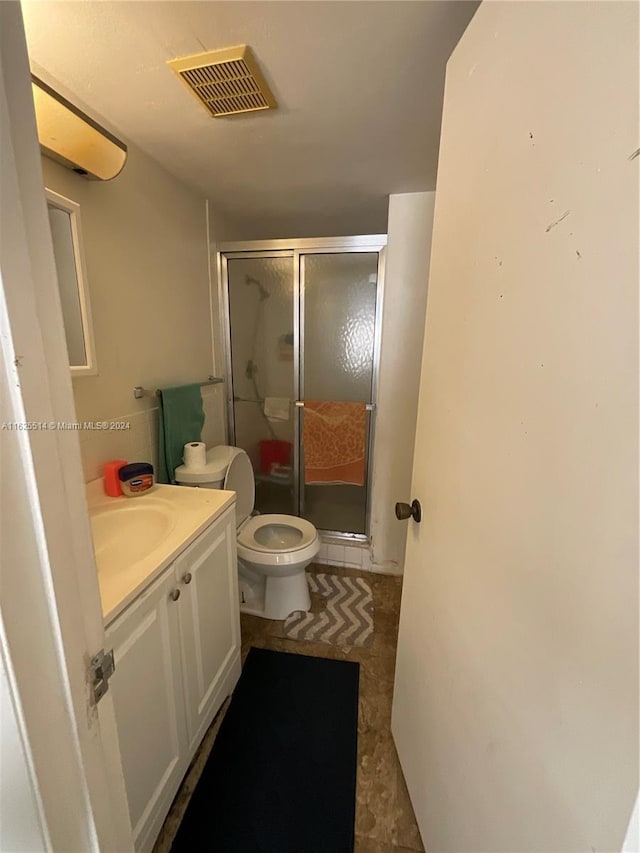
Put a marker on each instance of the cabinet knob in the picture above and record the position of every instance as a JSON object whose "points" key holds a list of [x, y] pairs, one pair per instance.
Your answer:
{"points": [[187, 578], [175, 595]]}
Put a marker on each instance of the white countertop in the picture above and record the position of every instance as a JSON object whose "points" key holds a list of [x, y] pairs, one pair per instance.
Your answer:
{"points": [[125, 562]]}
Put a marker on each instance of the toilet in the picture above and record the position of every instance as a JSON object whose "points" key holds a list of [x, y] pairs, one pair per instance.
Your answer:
{"points": [[273, 550]]}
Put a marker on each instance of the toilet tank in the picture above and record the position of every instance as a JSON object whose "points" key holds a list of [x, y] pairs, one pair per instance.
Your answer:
{"points": [[212, 474], [226, 468]]}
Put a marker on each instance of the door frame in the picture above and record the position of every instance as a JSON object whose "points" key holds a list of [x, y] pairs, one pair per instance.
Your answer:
{"points": [[50, 613], [295, 249]]}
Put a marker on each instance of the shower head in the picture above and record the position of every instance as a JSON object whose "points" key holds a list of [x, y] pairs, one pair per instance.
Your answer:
{"points": [[264, 293]]}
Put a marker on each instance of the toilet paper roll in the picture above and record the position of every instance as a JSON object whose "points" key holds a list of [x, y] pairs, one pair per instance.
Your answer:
{"points": [[195, 454]]}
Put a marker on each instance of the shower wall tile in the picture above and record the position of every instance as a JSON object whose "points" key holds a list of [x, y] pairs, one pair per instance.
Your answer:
{"points": [[213, 403], [132, 444], [335, 555], [153, 426], [366, 559], [353, 556], [140, 442]]}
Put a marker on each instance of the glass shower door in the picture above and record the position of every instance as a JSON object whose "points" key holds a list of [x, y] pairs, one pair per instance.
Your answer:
{"points": [[338, 294], [261, 312]]}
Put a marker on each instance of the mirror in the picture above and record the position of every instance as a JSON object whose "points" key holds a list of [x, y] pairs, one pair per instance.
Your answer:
{"points": [[64, 221]]}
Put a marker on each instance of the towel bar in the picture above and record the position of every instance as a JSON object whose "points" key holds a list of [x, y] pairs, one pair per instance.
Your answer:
{"points": [[139, 391]]}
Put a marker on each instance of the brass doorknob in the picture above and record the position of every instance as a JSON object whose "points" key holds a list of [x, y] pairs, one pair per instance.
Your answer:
{"points": [[412, 510]]}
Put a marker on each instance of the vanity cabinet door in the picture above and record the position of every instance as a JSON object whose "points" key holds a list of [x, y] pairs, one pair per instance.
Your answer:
{"points": [[149, 706], [209, 623]]}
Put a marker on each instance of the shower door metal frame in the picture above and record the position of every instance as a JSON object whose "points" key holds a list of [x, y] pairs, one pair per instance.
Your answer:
{"points": [[294, 249]]}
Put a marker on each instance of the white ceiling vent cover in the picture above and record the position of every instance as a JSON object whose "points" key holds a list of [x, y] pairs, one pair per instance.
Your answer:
{"points": [[226, 82]]}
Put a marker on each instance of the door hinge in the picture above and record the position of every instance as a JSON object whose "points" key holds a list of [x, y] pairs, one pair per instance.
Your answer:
{"points": [[103, 666]]}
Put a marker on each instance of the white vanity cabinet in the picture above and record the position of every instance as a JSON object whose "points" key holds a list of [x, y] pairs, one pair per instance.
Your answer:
{"points": [[177, 653], [149, 704], [209, 623]]}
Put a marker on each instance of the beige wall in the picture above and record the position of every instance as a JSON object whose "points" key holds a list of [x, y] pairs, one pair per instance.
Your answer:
{"points": [[146, 248], [403, 320], [516, 705]]}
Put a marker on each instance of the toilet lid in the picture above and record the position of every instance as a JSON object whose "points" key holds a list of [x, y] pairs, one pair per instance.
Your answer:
{"points": [[276, 533], [239, 479]]}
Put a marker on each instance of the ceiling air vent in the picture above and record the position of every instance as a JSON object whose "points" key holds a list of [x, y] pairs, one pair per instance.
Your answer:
{"points": [[226, 81]]}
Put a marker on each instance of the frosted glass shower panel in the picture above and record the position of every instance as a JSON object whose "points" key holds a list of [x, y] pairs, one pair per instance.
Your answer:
{"points": [[339, 325], [337, 342], [261, 332]]}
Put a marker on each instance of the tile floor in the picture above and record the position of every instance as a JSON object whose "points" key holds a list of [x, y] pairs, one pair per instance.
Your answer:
{"points": [[385, 822]]}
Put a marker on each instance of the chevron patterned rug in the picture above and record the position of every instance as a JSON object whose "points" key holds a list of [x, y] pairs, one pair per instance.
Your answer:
{"points": [[347, 618]]}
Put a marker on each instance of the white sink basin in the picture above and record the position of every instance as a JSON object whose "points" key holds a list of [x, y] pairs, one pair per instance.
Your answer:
{"points": [[134, 539], [126, 534]]}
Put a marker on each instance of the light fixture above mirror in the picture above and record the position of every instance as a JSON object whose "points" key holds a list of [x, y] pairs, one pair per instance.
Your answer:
{"points": [[70, 137]]}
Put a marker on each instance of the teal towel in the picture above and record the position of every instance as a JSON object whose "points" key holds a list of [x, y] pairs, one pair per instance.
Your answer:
{"points": [[181, 421]]}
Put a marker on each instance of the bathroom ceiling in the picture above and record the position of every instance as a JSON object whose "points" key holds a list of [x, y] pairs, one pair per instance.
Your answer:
{"points": [[359, 88]]}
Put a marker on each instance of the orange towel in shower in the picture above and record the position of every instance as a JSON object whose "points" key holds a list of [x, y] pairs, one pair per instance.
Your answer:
{"points": [[334, 440]]}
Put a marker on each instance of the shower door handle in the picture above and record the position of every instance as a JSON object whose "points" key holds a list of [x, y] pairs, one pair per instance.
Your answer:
{"points": [[369, 407]]}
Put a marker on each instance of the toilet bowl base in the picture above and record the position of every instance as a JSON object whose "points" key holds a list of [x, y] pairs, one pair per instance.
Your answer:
{"points": [[273, 597]]}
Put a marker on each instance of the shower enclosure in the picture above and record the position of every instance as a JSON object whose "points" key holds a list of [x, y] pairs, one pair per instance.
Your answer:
{"points": [[301, 320]]}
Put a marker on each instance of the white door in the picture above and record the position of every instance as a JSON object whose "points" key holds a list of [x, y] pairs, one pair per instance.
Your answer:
{"points": [[149, 700], [65, 789], [516, 695], [209, 620]]}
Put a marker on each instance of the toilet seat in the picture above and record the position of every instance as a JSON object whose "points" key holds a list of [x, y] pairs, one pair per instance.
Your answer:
{"points": [[282, 534], [260, 542], [275, 545]]}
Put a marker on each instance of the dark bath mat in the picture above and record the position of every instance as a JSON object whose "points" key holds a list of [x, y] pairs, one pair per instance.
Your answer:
{"points": [[281, 777]]}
